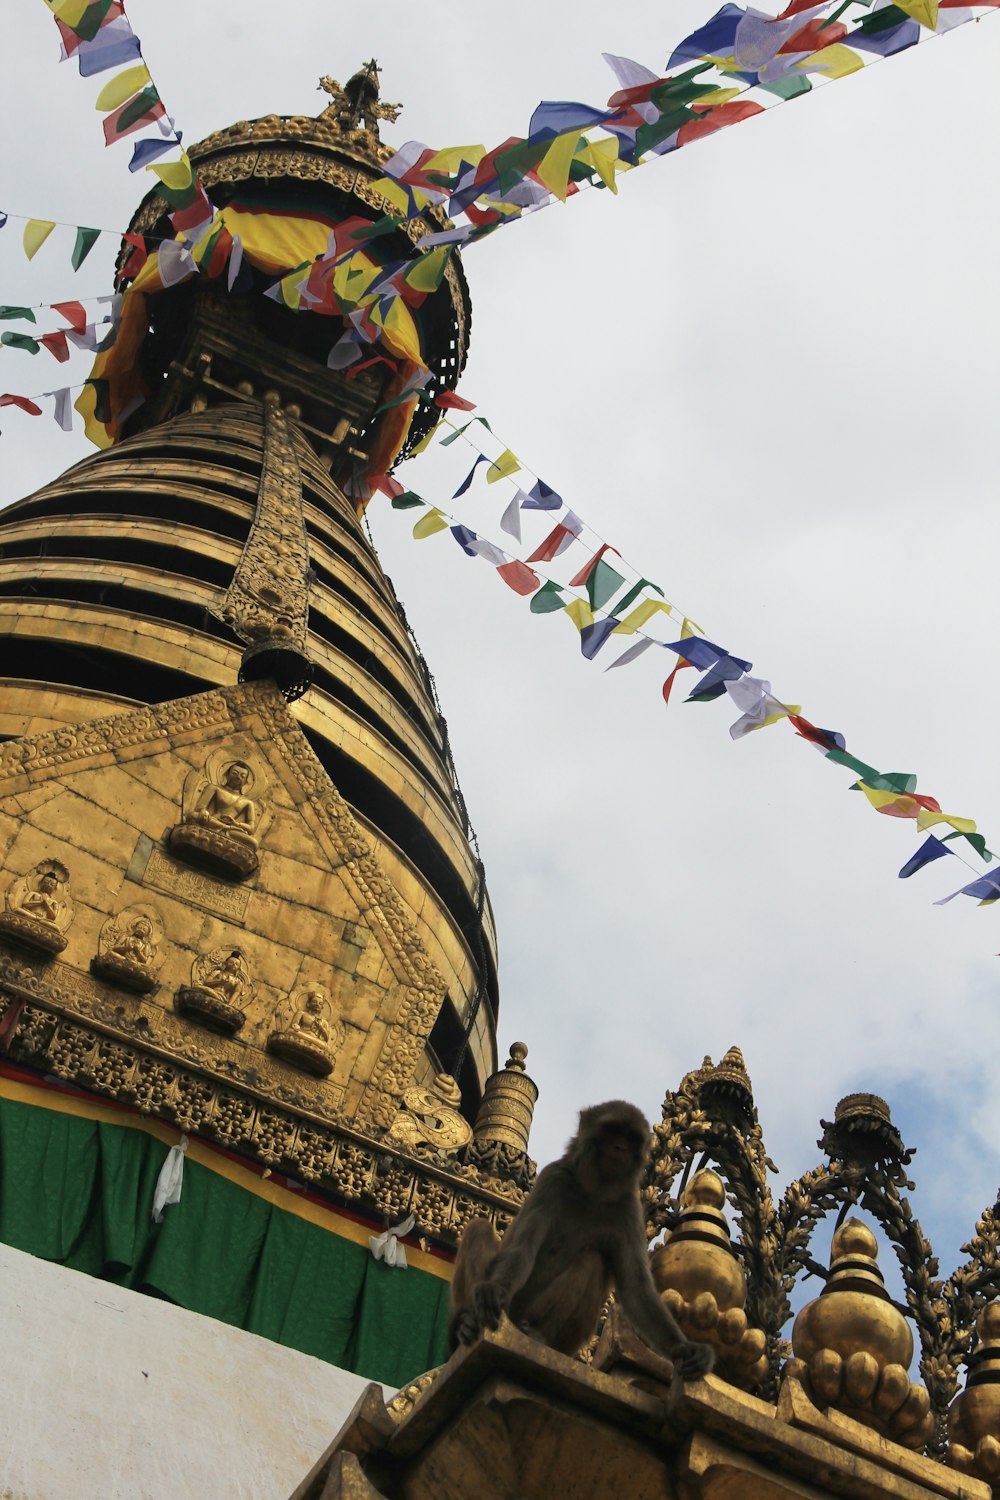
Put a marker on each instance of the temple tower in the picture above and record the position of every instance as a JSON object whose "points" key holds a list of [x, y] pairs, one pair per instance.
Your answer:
{"points": [[216, 538], [247, 958]]}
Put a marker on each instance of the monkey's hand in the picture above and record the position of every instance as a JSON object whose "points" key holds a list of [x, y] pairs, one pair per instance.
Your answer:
{"points": [[491, 1300], [691, 1360]]}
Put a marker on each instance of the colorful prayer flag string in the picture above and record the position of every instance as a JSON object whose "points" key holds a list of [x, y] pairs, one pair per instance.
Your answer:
{"points": [[600, 613]]}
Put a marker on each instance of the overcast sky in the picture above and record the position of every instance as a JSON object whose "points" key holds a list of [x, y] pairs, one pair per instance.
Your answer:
{"points": [[768, 374]]}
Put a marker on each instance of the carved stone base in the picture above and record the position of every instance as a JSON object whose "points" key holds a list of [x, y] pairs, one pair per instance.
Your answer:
{"points": [[18, 928], [127, 976], [302, 1052], [209, 1009], [209, 849]]}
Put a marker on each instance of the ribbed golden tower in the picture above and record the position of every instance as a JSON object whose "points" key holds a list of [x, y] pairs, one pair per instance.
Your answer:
{"points": [[219, 538]]}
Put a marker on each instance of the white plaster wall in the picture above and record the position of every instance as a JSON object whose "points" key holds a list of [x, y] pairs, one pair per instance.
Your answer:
{"points": [[108, 1395]]}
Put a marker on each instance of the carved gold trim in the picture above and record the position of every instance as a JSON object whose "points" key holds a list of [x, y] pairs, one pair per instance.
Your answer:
{"points": [[344, 1161], [268, 598]]}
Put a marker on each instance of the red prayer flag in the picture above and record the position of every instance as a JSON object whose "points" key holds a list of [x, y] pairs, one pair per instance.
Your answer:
{"points": [[112, 133], [668, 685], [23, 402], [518, 576], [138, 257], [550, 547], [448, 399], [581, 578], [75, 314], [814, 35], [717, 119], [57, 344], [387, 485]]}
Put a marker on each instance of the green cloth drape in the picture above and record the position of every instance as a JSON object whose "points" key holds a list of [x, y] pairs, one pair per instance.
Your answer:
{"points": [[79, 1192]]}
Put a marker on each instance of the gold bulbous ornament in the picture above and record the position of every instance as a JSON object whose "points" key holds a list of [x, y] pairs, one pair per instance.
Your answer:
{"points": [[974, 1415], [852, 1348], [702, 1282]]}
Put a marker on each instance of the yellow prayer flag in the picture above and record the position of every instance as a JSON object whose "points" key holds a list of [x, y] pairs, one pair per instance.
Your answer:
{"points": [[690, 628], [430, 523], [387, 187], [602, 155], [715, 97], [553, 169], [580, 613], [36, 232], [426, 273], [835, 61], [880, 800], [924, 11], [69, 11], [425, 441], [122, 87], [174, 174], [95, 430], [638, 616], [926, 819], [506, 464], [450, 158]]}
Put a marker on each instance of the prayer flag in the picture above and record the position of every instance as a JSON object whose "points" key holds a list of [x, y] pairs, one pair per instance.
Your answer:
{"points": [[558, 539], [519, 577], [603, 582], [510, 521], [74, 312], [481, 459], [145, 151], [123, 86], [593, 636], [430, 523], [631, 653], [986, 889], [11, 340], [541, 497], [639, 616], [628, 599], [26, 314], [714, 682], [406, 501], [63, 412], [24, 403], [57, 345], [548, 599], [36, 232], [929, 850], [86, 239], [976, 840], [448, 400], [506, 464]]}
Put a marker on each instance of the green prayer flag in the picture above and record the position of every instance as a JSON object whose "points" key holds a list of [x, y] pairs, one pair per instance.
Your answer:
{"points": [[976, 840], [548, 599], [86, 239], [20, 341], [788, 88], [406, 501], [893, 781], [136, 108], [385, 225], [602, 583], [26, 314], [852, 763], [881, 20], [634, 592]]}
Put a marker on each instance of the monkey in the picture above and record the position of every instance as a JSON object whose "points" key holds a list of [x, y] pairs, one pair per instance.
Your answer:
{"points": [[579, 1233]]}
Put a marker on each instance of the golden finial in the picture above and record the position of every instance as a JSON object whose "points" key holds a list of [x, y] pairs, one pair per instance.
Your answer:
{"points": [[852, 1347], [356, 103], [974, 1418]]}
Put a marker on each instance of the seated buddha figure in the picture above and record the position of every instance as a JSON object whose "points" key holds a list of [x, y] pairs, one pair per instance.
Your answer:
{"points": [[128, 951], [38, 909], [309, 1040], [220, 823], [219, 992]]}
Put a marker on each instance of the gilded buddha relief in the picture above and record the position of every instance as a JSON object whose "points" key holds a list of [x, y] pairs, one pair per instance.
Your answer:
{"points": [[309, 1039], [221, 818], [221, 988], [38, 909], [128, 950]]}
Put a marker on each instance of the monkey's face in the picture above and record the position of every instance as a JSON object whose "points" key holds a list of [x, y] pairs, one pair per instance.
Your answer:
{"points": [[622, 1149]]}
